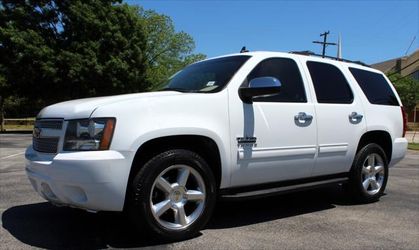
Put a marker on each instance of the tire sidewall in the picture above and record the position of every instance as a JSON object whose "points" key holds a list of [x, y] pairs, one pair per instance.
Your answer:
{"points": [[356, 176], [144, 180]]}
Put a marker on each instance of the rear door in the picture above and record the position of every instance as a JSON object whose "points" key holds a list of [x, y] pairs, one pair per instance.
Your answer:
{"points": [[340, 118]]}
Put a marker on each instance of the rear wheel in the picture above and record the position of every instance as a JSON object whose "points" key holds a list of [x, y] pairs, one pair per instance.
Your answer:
{"points": [[173, 195], [369, 174]]}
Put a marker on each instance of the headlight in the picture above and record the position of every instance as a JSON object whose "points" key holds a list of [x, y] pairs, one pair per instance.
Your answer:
{"points": [[89, 134]]}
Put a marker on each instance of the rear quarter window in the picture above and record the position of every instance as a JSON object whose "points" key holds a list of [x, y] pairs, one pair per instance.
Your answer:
{"points": [[375, 87]]}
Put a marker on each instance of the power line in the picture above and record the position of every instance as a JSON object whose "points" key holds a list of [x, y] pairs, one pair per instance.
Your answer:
{"points": [[414, 38], [401, 78], [400, 70], [324, 43]]}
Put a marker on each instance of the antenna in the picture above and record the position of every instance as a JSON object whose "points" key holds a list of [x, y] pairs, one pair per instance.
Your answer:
{"points": [[243, 50], [324, 43], [339, 53]]}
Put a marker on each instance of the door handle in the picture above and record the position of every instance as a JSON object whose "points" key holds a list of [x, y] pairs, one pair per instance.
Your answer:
{"points": [[303, 118], [354, 117]]}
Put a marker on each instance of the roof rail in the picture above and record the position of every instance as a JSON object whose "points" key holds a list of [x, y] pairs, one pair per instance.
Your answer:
{"points": [[311, 53]]}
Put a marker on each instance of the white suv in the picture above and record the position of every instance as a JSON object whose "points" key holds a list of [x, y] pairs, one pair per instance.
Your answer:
{"points": [[240, 125]]}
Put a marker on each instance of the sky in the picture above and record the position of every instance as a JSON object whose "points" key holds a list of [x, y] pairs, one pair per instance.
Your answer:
{"points": [[371, 31]]}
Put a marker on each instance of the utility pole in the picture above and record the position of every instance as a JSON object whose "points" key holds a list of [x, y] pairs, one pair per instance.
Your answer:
{"points": [[324, 43]]}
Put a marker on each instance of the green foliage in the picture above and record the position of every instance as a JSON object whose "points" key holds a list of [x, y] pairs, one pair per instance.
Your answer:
{"points": [[408, 90], [167, 51], [413, 146], [13, 104], [3, 81], [53, 50]]}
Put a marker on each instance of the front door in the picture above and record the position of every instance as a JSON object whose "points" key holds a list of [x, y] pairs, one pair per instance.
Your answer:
{"points": [[274, 138]]}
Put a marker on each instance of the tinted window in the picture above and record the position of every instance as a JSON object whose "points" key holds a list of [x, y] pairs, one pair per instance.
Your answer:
{"points": [[375, 87], [329, 83], [207, 76], [286, 71]]}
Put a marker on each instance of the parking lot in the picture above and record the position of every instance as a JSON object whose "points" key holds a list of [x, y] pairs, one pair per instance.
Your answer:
{"points": [[318, 219]]}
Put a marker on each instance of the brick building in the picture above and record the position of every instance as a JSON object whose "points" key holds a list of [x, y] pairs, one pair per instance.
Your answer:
{"points": [[406, 66]]}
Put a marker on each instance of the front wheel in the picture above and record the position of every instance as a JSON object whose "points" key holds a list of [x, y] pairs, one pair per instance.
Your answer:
{"points": [[173, 194], [369, 174]]}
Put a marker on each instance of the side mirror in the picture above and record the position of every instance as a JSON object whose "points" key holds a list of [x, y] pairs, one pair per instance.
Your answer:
{"points": [[260, 86]]}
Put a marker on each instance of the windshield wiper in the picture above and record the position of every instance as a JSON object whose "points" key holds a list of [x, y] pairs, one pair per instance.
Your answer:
{"points": [[179, 90]]}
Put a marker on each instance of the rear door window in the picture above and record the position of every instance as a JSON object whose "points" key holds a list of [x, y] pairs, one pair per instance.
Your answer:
{"points": [[329, 83], [375, 87]]}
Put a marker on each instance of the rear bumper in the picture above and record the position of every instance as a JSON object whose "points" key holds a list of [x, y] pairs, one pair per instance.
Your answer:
{"points": [[399, 150], [95, 180]]}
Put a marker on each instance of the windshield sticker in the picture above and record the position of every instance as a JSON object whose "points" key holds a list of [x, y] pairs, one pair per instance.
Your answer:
{"points": [[209, 88], [210, 83]]}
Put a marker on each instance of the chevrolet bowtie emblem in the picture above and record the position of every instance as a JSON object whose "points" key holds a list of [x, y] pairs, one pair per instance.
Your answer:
{"points": [[36, 132]]}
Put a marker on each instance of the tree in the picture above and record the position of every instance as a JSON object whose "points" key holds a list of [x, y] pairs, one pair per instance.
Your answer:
{"points": [[408, 90], [3, 89], [53, 50], [58, 50], [167, 51]]}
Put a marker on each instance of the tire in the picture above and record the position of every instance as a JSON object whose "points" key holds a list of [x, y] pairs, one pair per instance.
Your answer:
{"points": [[173, 195], [369, 174]]}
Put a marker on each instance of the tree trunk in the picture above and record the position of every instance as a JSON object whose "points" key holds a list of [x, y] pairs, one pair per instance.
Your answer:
{"points": [[1, 114]]}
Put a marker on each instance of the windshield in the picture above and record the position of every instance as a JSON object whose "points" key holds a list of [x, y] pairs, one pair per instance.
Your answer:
{"points": [[207, 76]]}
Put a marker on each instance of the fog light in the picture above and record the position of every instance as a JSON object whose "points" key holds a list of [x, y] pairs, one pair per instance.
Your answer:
{"points": [[46, 190], [75, 194]]}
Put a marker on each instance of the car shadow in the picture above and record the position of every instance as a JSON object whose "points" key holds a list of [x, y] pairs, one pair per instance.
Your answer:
{"points": [[230, 214], [46, 226]]}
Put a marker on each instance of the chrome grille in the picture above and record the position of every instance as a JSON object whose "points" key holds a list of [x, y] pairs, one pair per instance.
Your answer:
{"points": [[46, 135], [51, 124], [46, 144]]}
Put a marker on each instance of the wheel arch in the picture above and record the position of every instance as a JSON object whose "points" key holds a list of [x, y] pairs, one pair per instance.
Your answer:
{"points": [[205, 146], [380, 137]]}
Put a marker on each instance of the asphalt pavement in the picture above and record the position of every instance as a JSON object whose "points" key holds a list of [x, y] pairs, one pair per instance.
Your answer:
{"points": [[317, 219]]}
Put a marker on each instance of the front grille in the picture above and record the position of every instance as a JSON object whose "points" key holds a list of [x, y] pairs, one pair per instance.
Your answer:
{"points": [[46, 145], [45, 139], [51, 124]]}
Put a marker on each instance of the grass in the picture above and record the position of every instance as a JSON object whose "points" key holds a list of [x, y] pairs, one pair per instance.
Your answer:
{"points": [[413, 146]]}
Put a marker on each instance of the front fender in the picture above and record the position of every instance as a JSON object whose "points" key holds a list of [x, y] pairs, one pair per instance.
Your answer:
{"points": [[222, 147]]}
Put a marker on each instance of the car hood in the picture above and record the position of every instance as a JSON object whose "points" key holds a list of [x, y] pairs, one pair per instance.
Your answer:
{"points": [[83, 108]]}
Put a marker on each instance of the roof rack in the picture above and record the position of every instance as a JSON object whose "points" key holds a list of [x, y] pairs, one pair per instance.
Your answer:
{"points": [[311, 53]]}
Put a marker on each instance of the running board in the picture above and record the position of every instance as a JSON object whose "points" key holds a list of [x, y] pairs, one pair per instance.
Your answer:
{"points": [[225, 194]]}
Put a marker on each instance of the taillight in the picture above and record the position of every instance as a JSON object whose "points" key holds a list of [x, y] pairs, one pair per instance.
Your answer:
{"points": [[404, 121]]}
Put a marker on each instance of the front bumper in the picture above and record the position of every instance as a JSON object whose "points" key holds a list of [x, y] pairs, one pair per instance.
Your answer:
{"points": [[93, 180]]}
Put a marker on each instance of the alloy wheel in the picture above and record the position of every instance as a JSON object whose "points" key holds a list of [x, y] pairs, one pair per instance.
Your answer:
{"points": [[177, 197], [373, 173]]}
